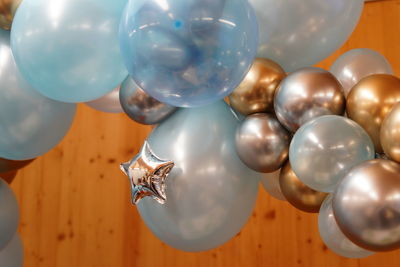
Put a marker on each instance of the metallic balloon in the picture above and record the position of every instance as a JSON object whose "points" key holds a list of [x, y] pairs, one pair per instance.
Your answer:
{"points": [[9, 214], [8, 176], [108, 103], [262, 143], [297, 193], [369, 102], [326, 148], [356, 64], [333, 237], [366, 205], [7, 165], [270, 182], [256, 92], [306, 94], [7, 12], [211, 193], [13, 254], [141, 107], [390, 134]]}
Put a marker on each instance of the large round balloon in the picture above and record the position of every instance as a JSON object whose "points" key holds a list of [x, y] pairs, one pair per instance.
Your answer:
{"points": [[210, 192], [326, 148], [13, 254], [9, 214], [68, 49], [301, 33], [188, 52], [30, 124]]}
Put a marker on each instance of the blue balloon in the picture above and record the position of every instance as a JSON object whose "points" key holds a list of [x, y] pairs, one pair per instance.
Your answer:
{"points": [[68, 49], [30, 124], [188, 53]]}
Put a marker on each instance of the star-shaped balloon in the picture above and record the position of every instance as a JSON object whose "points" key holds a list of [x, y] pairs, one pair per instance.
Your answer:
{"points": [[147, 174]]}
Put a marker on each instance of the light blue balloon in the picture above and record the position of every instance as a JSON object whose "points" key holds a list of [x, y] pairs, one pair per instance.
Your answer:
{"points": [[30, 124], [210, 192], [9, 214], [13, 254], [188, 53], [68, 49]]}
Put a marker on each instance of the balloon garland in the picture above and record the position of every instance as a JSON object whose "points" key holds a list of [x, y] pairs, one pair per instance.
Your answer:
{"points": [[196, 177]]}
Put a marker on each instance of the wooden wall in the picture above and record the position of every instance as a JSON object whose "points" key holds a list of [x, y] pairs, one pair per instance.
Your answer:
{"points": [[76, 210]]}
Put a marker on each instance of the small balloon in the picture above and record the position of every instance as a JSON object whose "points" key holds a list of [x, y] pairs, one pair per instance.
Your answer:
{"points": [[108, 103], [333, 237], [7, 12], [357, 64], [326, 148], [270, 182], [390, 134], [256, 92], [7, 165], [366, 205], [188, 53], [9, 214], [8, 176], [306, 94], [262, 143], [369, 102], [297, 193], [13, 254]]}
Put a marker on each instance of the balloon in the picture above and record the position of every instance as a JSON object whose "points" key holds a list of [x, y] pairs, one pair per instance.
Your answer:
{"points": [[7, 165], [108, 103], [366, 205], [262, 143], [333, 237], [297, 193], [141, 107], [306, 94], [68, 49], [188, 53], [8, 176], [210, 192], [30, 124], [371, 100], [301, 33], [326, 148], [7, 12], [390, 134], [356, 64], [270, 182], [13, 254], [256, 92], [9, 214]]}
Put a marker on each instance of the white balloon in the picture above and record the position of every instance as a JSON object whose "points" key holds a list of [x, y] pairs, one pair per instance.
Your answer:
{"points": [[270, 182], [9, 214], [13, 254]]}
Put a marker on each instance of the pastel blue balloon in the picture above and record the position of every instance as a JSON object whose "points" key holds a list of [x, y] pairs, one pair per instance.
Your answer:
{"points": [[210, 192], [30, 124], [188, 53], [13, 254], [68, 49]]}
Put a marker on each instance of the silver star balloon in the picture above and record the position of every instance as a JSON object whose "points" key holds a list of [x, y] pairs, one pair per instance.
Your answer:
{"points": [[147, 174]]}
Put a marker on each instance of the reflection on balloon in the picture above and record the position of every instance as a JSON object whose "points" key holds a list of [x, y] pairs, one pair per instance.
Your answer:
{"points": [[68, 49], [366, 205], [256, 92], [356, 64], [13, 254], [333, 237], [108, 103], [9, 214], [369, 102], [325, 149], [7, 165], [141, 107], [210, 192], [306, 94], [270, 182], [31, 124], [188, 53], [7, 12], [390, 135]]}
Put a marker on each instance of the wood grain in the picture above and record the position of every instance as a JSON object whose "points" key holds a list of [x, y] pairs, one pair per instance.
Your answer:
{"points": [[75, 203]]}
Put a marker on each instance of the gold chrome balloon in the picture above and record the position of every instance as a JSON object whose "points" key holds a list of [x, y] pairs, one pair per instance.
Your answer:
{"points": [[371, 100], [7, 165], [256, 92], [7, 11], [390, 134], [297, 193]]}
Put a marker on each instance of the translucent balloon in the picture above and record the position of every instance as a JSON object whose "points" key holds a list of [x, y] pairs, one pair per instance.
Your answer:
{"points": [[270, 181], [325, 149], [68, 49], [188, 52], [30, 124], [333, 237], [9, 214], [301, 33], [210, 192], [13, 254], [108, 103], [356, 64]]}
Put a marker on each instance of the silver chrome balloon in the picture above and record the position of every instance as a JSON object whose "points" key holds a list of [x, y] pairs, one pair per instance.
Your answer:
{"points": [[366, 205], [108, 103], [262, 143], [141, 107]]}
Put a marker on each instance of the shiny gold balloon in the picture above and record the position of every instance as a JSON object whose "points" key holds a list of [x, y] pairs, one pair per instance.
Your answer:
{"points": [[8, 176], [297, 193], [7, 11], [369, 102], [7, 165], [390, 134], [256, 92]]}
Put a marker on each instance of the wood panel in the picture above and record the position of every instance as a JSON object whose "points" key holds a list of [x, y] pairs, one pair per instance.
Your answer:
{"points": [[75, 203]]}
